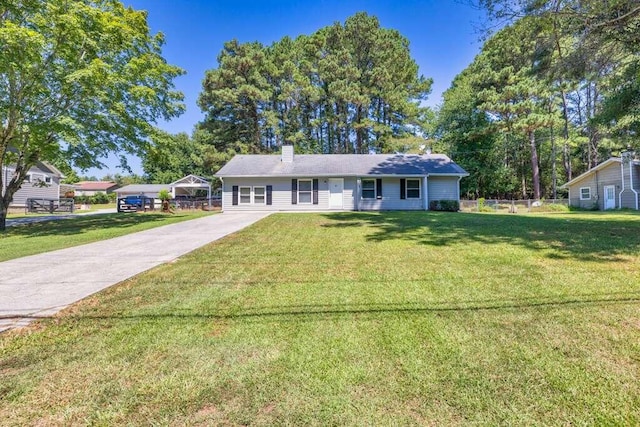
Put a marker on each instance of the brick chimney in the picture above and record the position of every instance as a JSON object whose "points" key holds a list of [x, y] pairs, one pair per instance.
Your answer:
{"points": [[287, 153]]}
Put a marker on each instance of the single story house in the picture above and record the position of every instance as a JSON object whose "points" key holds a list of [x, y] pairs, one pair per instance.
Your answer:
{"points": [[90, 188], [614, 183], [42, 182], [308, 182]]}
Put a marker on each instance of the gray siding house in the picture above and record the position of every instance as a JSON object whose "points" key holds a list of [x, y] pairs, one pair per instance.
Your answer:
{"points": [[612, 184], [42, 182], [317, 182]]}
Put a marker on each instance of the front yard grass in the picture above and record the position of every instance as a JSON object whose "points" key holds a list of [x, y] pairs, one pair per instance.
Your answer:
{"points": [[30, 239], [353, 319]]}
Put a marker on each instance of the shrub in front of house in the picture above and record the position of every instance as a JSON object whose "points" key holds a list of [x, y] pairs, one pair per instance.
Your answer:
{"points": [[82, 200], [444, 205]]}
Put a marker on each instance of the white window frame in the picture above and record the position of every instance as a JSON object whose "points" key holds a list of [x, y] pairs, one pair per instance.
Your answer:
{"points": [[581, 194], [375, 190], [28, 178], [406, 188], [240, 202], [310, 181], [47, 179], [264, 195]]}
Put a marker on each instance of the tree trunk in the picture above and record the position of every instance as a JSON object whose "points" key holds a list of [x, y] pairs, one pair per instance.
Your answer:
{"points": [[359, 136], [554, 175], [535, 168], [566, 158], [3, 214]]}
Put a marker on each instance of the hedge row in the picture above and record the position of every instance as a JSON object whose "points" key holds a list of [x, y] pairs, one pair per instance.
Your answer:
{"points": [[444, 205]]}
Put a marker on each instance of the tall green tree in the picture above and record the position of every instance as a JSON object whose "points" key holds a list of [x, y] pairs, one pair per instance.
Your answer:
{"points": [[170, 157], [234, 96], [346, 88], [597, 48], [79, 79], [505, 74], [468, 135]]}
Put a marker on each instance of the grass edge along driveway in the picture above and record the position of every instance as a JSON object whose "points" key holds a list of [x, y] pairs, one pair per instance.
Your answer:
{"points": [[353, 319], [30, 239]]}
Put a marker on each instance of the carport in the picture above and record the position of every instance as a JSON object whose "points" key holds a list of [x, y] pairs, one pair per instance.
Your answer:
{"points": [[189, 186]]}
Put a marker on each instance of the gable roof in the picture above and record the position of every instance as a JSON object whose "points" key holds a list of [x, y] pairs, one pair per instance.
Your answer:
{"points": [[52, 169], [94, 185], [592, 171], [256, 165], [191, 180]]}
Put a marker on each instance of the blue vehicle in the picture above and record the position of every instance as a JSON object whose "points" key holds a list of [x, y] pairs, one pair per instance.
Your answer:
{"points": [[135, 203]]}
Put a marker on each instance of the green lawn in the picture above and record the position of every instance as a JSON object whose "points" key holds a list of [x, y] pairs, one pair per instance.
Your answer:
{"points": [[93, 208], [353, 319], [29, 239]]}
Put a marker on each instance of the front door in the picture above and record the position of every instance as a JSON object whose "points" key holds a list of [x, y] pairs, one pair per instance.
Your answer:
{"points": [[336, 186], [609, 196]]}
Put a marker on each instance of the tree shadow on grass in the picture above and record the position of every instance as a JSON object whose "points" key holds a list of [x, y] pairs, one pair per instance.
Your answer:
{"points": [[594, 237], [82, 224]]}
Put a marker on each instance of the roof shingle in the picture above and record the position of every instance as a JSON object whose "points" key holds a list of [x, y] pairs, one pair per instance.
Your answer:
{"points": [[341, 165]]}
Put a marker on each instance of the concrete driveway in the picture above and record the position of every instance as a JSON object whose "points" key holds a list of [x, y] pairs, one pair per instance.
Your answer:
{"points": [[41, 285]]}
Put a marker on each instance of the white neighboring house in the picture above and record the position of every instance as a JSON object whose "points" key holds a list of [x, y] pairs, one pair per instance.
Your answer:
{"points": [[42, 182]]}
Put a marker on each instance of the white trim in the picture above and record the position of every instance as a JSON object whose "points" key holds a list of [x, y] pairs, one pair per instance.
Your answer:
{"points": [[264, 195], [425, 204], [631, 183], [343, 175], [585, 198], [240, 202], [310, 202], [622, 179], [375, 189], [406, 189], [222, 198], [604, 200], [590, 171], [341, 193]]}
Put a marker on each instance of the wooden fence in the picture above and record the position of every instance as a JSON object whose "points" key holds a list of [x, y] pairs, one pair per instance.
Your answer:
{"points": [[49, 205]]}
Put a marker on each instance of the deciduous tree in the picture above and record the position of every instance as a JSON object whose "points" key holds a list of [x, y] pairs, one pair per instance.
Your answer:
{"points": [[78, 79]]}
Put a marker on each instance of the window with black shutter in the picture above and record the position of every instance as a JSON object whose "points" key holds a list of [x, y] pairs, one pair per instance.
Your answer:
{"points": [[234, 195], [269, 194], [294, 191], [379, 188], [403, 186], [315, 191]]}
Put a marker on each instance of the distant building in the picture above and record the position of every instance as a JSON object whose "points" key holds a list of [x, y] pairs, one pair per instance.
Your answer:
{"points": [[90, 188], [42, 182]]}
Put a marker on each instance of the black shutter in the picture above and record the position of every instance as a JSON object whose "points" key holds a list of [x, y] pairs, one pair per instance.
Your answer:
{"points": [[379, 188], [403, 186], [234, 195], [294, 191], [315, 191], [269, 194]]}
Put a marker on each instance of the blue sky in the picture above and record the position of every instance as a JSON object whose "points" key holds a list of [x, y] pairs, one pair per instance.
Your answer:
{"points": [[443, 37]]}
